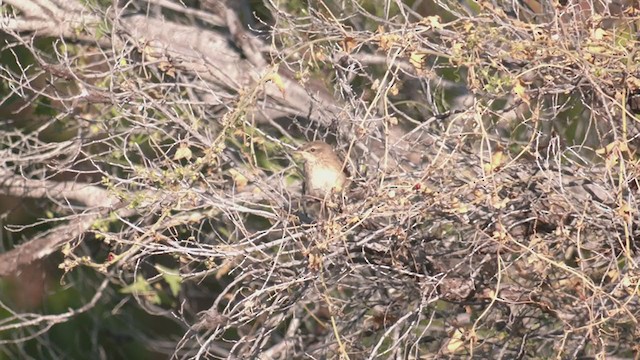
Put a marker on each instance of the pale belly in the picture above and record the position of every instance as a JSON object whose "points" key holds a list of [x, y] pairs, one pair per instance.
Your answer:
{"points": [[324, 180]]}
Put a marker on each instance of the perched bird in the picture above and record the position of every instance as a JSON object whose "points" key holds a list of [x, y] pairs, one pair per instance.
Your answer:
{"points": [[323, 173]]}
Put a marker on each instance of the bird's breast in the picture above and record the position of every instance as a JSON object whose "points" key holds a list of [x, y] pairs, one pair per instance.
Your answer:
{"points": [[322, 180]]}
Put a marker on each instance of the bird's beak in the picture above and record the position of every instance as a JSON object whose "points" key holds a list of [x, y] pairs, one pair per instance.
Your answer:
{"points": [[298, 152], [297, 155]]}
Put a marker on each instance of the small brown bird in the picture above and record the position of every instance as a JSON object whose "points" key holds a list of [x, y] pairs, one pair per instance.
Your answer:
{"points": [[323, 173], [323, 177]]}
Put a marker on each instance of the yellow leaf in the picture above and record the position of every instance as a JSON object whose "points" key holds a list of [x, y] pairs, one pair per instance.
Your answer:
{"points": [[275, 78], [183, 152], [433, 21], [491, 294], [320, 56], [394, 89], [614, 274], [387, 41], [520, 90], [599, 34], [607, 149], [417, 60], [497, 160], [499, 203], [455, 342], [626, 212], [459, 207], [594, 49], [457, 50], [239, 180]]}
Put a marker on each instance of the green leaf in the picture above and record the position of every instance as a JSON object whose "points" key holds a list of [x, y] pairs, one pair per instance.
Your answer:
{"points": [[142, 288], [172, 277]]}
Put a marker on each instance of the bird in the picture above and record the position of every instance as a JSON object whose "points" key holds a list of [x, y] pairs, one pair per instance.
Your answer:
{"points": [[323, 174]]}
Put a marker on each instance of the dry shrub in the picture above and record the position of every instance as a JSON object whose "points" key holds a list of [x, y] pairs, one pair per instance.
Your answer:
{"points": [[492, 148]]}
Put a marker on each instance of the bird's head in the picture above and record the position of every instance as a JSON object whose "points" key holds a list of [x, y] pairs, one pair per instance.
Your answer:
{"points": [[316, 152]]}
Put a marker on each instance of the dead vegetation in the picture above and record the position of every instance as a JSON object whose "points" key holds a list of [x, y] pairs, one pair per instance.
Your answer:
{"points": [[492, 148]]}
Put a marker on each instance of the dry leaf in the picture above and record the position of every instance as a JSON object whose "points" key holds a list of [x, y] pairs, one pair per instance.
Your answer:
{"points": [[348, 44], [433, 21], [386, 41], [456, 342], [459, 207], [239, 180], [167, 68]]}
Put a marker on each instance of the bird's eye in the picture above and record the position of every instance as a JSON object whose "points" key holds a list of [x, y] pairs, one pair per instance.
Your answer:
{"points": [[312, 150]]}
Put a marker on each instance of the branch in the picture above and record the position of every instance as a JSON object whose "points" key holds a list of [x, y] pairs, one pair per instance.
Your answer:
{"points": [[90, 195], [44, 244]]}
